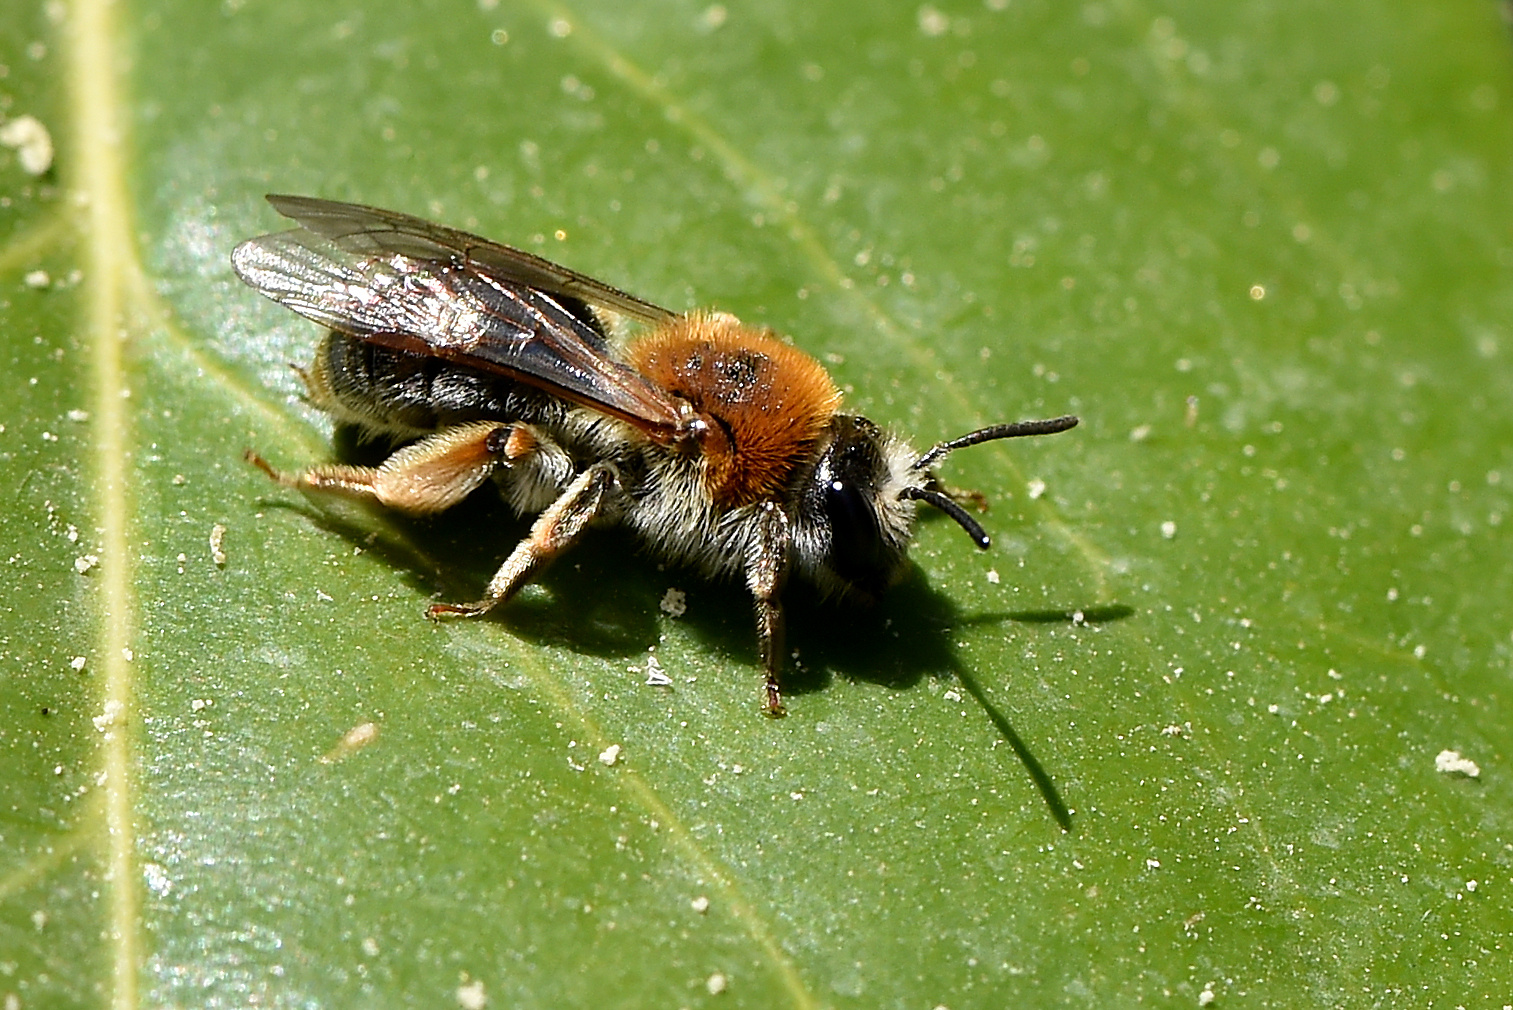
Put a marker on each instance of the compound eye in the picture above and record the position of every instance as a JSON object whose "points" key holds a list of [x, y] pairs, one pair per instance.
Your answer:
{"points": [[856, 544], [848, 510]]}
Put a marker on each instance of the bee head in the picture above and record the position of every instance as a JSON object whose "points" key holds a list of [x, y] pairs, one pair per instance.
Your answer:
{"points": [[859, 502]]}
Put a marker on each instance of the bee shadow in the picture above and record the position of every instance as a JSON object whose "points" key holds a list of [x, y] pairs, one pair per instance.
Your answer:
{"points": [[896, 643], [907, 637], [604, 599]]}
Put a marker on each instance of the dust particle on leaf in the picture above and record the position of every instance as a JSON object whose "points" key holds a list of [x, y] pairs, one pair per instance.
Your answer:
{"points": [[471, 996], [32, 143], [354, 740], [1449, 762], [674, 603]]}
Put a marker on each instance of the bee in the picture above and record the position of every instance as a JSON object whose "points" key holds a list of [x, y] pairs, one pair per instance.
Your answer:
{"points": [[715, 444]]}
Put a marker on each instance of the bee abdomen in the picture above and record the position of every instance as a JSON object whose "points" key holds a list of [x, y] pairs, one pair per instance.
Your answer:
{"points": [[405, 395]]}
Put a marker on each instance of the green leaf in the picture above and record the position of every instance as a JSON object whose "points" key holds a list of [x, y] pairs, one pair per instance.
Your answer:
{"points": [[1266, 256]]}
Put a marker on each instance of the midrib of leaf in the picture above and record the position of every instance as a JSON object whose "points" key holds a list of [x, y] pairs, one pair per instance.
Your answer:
{"points": [[97, 173]]}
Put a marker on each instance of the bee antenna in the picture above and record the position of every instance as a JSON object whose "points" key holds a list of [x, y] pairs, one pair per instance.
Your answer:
{"points": [[948, 505], [1049, 426]]}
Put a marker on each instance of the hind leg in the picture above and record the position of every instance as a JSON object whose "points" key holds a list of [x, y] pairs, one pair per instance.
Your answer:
{"points": [[427, 476]]}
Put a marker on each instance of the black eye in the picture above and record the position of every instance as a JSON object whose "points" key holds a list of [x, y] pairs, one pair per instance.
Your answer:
{"points": [[853, 528], [848, 478]]}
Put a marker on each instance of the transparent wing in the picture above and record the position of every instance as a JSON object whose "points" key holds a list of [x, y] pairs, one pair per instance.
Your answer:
{"points": [[401, 282], [369, 231]]}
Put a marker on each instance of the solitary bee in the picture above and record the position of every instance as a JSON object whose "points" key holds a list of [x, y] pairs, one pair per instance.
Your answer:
{"points": [[716, 444]]}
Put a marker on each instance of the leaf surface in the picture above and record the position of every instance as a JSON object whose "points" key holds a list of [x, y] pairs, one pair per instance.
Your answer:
{"points": [[1236, 614]]}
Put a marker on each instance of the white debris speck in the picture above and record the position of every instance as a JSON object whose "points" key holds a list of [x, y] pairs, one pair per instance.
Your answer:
{"points": [[472, 996], [31, 141], [952, 695], [1153, 864], [85, 563], [716, 983], [369, 946], [78, 416], [36, 279], [1140, 433], [111, 716], [39, 919], [352, 741], [674, 603], [993, 576], [1450, 762], [199, 704], [1037, 488], [1207, 996], [78, 662], [655, 675], [157, 879], [1470, 885], [127, 654], [1172, 730], [701, 903], [1168, 529], [609, 755], [217, 535], [12, 1001]]}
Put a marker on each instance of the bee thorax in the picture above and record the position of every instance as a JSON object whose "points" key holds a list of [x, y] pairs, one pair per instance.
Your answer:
{"points": [[764, 404]]}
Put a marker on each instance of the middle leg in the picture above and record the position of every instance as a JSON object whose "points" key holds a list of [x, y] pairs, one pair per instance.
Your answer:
{"points": [[554, 531]]}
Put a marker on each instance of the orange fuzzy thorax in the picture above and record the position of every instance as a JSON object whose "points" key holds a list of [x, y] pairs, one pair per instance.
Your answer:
{"points": [[769, 402]]}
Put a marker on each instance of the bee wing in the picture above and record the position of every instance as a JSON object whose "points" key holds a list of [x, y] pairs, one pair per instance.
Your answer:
{"points": [[401, 282], [370, 231]]}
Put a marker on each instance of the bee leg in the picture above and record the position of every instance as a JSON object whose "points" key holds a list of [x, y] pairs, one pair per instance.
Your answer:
{"points": [[961, 495], [424, 477], [554, 531], [766, 570]]}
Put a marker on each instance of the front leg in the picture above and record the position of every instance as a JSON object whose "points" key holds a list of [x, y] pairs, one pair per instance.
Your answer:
{"points": [[554, 531], [766, 571]]}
